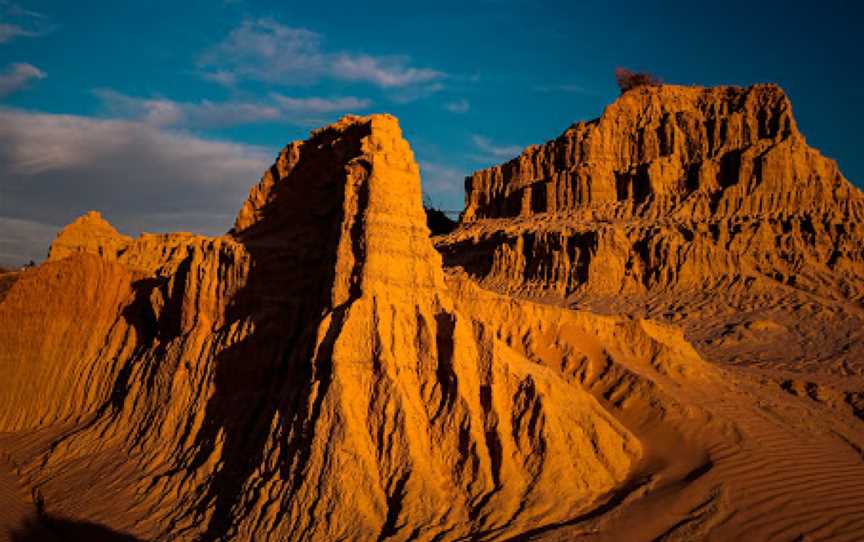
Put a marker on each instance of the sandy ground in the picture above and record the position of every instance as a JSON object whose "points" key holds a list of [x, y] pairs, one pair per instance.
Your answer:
{"points": [[759, 443], [19, 519]]}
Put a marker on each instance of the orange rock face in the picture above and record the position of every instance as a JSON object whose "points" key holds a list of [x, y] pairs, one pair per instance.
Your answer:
{"points": [[678, 197], [309, 376], [682, 152], [88, 234], [317, 374]]}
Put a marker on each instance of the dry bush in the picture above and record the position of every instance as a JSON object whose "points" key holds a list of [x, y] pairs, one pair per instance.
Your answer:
{"points": [[628, 79]]}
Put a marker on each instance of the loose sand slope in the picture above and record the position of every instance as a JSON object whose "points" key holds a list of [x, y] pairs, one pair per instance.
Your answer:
{"points": [[316, 374]]}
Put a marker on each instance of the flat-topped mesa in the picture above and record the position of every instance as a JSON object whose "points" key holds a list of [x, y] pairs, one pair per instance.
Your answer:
{"points": [[670, 150]]}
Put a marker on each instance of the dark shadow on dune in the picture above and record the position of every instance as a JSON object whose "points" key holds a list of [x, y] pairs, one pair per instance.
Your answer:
{"points": [[54, 529]]}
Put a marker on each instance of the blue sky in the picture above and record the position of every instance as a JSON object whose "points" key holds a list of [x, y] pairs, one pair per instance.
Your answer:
{"points": [[161, 114]]}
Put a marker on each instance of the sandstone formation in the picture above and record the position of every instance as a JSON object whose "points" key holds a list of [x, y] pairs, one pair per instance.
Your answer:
{"points": [[704, 198], [686, 152], [91, 234], [320, 372], [306, 377]]}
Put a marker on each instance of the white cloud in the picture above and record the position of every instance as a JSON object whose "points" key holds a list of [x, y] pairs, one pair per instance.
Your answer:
{"points": [[382, 71], [155, 111], [265, 50], [459, 106], [268, 51], [492, 150], [440, 179], [18, 76], [208, 114], [57, 167], [321, 105]]}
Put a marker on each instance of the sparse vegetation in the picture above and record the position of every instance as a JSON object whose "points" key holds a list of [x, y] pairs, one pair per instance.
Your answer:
{"points": [[628, 79], [436, 219], [438, 222]]}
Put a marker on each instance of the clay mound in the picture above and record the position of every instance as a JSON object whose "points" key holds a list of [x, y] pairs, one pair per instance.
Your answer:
{"points": [[309, 376], [686, 203], [90, 234]]}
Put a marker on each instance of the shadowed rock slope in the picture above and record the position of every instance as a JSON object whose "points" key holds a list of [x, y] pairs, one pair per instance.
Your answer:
{"points": [[311, 375], [701, 205]]}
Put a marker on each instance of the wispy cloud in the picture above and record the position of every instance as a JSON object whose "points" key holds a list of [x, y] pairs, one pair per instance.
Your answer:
{"points": [[18, 76], [140, 176], [153, 111], [459, 106], [441, 179], [321, 105], [566, 88], [11, 31], [207, 114], [223, 78], [11, 9], [18, 22], [414, 92], [23, 240], [494, 150], [266, 50], [385, 72]]}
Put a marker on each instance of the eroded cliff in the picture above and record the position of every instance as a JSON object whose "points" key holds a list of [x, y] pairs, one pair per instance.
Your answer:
{"points": [[682, 152], [308, 376], [318, 374], [705, 198]]}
